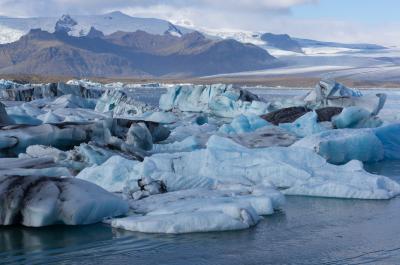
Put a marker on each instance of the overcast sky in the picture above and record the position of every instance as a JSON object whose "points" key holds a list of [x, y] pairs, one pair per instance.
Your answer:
{"points": [[375, 21]]}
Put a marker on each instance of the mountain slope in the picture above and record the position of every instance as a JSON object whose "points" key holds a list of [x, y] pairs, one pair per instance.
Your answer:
{"points": [[282, 42], [128, 54], [11, 29]]}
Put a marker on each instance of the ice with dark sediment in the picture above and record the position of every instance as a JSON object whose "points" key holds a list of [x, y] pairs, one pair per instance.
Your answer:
{"points": [[40, 201]]}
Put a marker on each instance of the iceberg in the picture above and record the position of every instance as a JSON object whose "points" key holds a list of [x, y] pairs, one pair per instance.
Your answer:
{"points": [[226, 162], [331, 93], [367, 145], [28, 92], [61, 136], [218, 99], [243, 124], [120, 104], [28, 166], [41, 201], [111, 175], [305, 125], [200, 210], [267, 136], [291, 114], [356, 117]]}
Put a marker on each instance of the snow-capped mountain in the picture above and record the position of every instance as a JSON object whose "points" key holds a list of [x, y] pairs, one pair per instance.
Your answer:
{"points": [[11, 29], [291, 52]]}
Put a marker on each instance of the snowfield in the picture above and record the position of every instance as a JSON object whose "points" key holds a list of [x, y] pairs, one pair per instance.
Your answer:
{"points": [[206, 158]]}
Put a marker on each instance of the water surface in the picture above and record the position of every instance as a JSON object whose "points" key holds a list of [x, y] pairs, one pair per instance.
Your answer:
{"points": [[307, 231]]}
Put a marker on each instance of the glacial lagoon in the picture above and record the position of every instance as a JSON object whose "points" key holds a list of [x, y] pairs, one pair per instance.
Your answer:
{"points": [[308, 230]]}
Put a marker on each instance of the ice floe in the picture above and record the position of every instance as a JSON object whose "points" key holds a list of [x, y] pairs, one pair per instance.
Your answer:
{"points": [[200, 210], [40, 201]]}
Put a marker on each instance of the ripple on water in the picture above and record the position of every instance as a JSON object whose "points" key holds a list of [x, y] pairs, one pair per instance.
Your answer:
{"points": [[308, 231]]}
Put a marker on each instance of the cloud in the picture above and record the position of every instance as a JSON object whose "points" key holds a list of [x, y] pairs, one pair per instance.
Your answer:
{"points": [[253, 15], [48, 7]]}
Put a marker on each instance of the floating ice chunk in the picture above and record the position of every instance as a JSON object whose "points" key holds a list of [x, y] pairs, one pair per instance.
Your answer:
{"points": [[331, 93], [367, 145], [389, 137], [224, 161], [4, 118], [42, 201], [291, 114], [156, 116], [38, 172], [66, 136], [229, 217], [342, 146], [50, 117], [140, 137], [220, 100], [29, 92], [201, 132], [334, 184], [146, 187], [199, 210], [72, 101], [76, 159], [43, 166], [356, 117], [189, 144], [265, 137], [25, 114], [305, 125], [120, 103], [79, 115], [243, 124], [7, 84], [112, 175]]}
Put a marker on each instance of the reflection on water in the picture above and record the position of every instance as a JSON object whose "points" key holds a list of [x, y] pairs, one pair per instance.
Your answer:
{"points": [[308, 231]]}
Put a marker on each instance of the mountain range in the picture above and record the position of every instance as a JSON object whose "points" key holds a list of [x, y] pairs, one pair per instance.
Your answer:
{"points": [[124, 54], [118, 45]]}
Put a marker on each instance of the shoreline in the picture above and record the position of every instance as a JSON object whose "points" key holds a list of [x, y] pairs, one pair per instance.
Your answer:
{"points": [[286, 82]]}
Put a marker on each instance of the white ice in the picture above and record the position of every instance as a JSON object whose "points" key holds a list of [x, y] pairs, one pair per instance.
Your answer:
{"points": [[200, 210]]}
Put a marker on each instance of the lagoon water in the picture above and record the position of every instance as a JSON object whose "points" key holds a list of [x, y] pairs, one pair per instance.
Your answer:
{"points": [[306, 231]]}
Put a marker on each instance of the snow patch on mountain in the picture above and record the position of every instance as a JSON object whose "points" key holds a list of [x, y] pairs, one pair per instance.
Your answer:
{"points": [[11, 29]]}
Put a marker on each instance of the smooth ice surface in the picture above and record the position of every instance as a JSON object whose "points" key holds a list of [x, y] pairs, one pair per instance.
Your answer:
{"points": [[200, 210], [111, 175], [40, 201]]}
